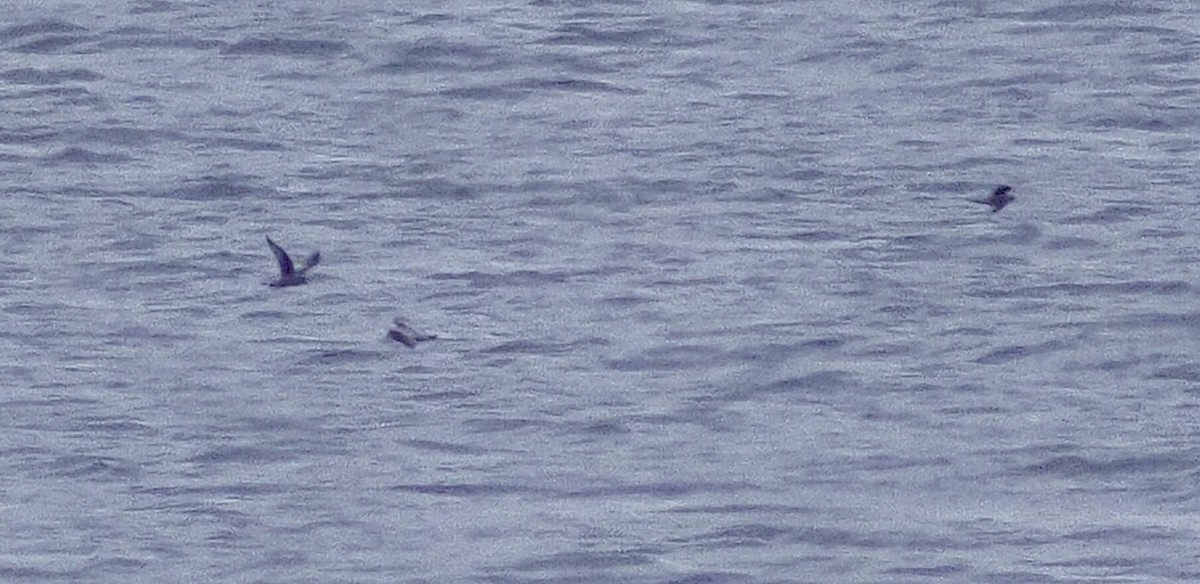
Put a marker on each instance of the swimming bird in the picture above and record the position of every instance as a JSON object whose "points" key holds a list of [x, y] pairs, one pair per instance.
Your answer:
{"points": [[405, 334], [288, 276], [999, 199]]}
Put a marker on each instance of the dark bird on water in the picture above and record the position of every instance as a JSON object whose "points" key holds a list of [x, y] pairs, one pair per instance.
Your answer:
{"points": [[405, 334], [999, 199], [288, 275]]}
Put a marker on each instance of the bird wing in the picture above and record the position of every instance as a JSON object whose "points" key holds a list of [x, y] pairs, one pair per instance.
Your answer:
{"points": [[285, 262], [311, 262]]}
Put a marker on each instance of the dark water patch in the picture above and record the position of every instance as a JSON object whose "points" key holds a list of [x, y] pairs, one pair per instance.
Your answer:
{"points": [[85, 156], [29, 76], [1146, 121], [62, 95], [966, 331], [58, 402], [779, 352], [442, 396], [965, 411], [812, 388], [674, 358], [437, 189], [1080, 466], [490, 425], [441, 55], [52, 44], [956, 188], [97, 468], [609, 427], [433, 19], [1156, 288], [524, 347], [1012, 353], [1189, 373], [585, 560], [243, 144], [1062, 243], [658, 489], [1087, 11], [327, 357], [647, 33], [467, 489], [243, 455], [938, 571], [748, 535], [287, 47], [887, 462], [157, 40], [689, 282], [211, 492], [212, 188], [274, 424], [123, 135], [1022, 80], [758, 96], [446, 447], [843, 539], [1188, 320], [264, 315], [704, 412], [1110, 215], [1108, 536], [571, 85], [886, 349], [742, 509], [626, 301], [1166, 234], [816, 236], [51, 309], [48, 26], [116, 425], [153, 7], [519, 278], [1157, 57], [28, 574], [711, 578], [1098, 562], [490, 92], [11, 372], [1019, 234]]}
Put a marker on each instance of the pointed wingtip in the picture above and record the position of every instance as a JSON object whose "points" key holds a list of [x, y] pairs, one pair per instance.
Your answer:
{"points": [[281, 257]]}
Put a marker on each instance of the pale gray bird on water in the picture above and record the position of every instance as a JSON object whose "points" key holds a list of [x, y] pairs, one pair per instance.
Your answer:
{"points": [[405, 334], [999, 199], [288, 275]]}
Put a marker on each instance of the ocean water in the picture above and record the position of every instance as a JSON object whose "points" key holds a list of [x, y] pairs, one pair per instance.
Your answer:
{"points": [[714, 303]]}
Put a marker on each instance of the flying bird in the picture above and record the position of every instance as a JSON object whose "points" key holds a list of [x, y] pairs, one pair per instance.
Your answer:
{"points": [[999, 199], [288, 275], [405, 334]]}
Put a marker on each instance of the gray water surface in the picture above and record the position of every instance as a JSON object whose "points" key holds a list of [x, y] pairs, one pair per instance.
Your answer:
{"points": [[713, 302]]}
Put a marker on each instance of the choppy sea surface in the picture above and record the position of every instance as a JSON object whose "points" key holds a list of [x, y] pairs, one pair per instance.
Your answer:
{"points": [[714, 303]]}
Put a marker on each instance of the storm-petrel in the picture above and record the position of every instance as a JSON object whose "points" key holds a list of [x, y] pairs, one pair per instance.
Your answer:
{"points": [[999, 199], [405, 334], [288, 276]]}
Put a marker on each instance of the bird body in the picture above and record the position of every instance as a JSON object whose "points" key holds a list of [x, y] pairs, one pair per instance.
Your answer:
{"points": [[405, 334], [1000, 198]]}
